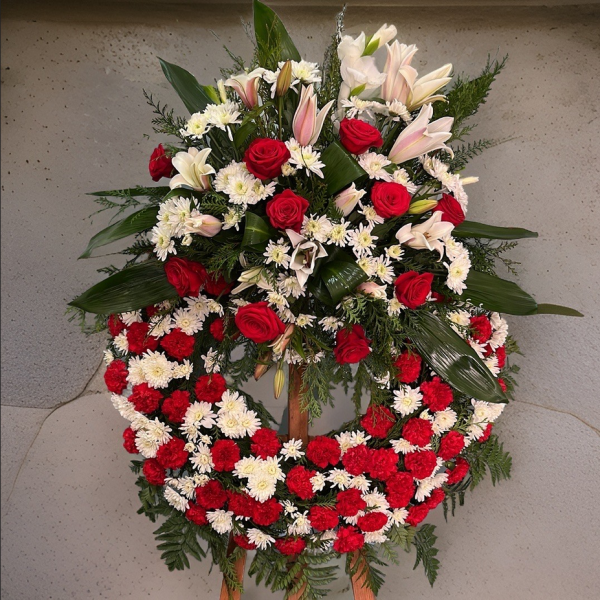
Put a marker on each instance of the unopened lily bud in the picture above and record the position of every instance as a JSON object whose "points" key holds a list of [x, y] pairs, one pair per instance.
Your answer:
{"points": [[279, 380], [372, 289], [263, 366], [347, 200], [284, 79], [281, 342], [421, 206], [222, 92], [468, 180], [205, 225]]}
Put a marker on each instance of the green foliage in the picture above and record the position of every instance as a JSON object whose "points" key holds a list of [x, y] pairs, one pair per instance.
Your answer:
{"points": [[488, 456], [177, 538], [364, 566], [424, 541], [317, 386], [466, 152], [80, 316], [164, 122]]}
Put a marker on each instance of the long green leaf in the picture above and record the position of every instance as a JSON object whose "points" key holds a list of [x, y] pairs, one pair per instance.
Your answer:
{"points": [[556, 309], [454, 360], [256, 231], [497, 294], [194, 96], [341, 277], [134, 223], [130, 289], [340, 168], [471, 229], [271, 33]]}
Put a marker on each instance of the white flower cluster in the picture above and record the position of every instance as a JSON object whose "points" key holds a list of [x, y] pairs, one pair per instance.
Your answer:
{"points": [[220, 116], [241, 186]]}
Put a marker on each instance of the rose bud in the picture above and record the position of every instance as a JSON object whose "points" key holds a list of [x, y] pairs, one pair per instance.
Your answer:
{"points": [[160, 164]]}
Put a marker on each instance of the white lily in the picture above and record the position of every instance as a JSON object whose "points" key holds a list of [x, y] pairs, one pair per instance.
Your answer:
{"points": [[246, 86], [205, 225], [193, 170], [381, 37], [421, 137], [424, 88], [428, 235], [305, 254], [400, 76], [308, 120], [254, 276]]}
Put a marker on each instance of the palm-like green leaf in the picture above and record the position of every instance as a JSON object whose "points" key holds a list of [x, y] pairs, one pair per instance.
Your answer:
{"points": [[194, 96], [471, 229], [271, 33], [340, 168], [256, 231]]}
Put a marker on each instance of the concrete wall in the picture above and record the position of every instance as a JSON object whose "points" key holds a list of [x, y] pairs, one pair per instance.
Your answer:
{"points": [[74, 120]]}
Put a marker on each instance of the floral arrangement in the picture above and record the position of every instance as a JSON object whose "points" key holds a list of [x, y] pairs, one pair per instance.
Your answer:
{"points": [[313, 224]]}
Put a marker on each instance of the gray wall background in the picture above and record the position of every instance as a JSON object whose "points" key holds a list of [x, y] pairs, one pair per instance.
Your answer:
{"points": [[74, 120]]}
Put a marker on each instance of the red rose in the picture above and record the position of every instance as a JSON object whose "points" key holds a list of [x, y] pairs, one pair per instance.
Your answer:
{"points": [[265, 443], [372, 521], [196, 514], [176, 405], [186, 276], [210, 388], [417, 431], [243, 542], [225, 453], [265, 157], [348, 539], [420, 464], [401, 488], [216, 285], [322, 518], [485, 436], [437, 395], [258, 322], [390, 199], [290, 546], [357, 460], [266, 513], [451, 445], [383, 463], [350, 502], [139, 340], [241, 504], [501, 356], [153, 472], [129, 441], [409, 367], [461, 468], [357, 136], [416, 514], [436, 498], [172, 454], [481, 328], [115, 376], [452, 211], [351, 345], [323, 451], [211, 495], [298, 482], [412, 289], [177, 344], [287, 210], [160, 164], [144, 398], [217, 329], [115, 325], [378, 420]]}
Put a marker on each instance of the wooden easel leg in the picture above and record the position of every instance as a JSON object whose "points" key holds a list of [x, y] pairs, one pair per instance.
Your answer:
{"points": [[297, 418], [240, 563], [358, 582]]}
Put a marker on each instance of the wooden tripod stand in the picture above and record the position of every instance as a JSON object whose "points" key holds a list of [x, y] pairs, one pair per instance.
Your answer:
{"points": [[297, 429]]}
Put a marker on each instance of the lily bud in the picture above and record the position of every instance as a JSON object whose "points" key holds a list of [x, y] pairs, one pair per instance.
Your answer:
{"points": [[222, 92], [284, 79], [382, 36], [421, 206], [263, 366], [308, 120], [347, 200], [205, 225], [278, 381], [281, 342], [372, 289]]}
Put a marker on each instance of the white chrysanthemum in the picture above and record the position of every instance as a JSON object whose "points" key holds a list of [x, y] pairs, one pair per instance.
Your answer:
{"points": [[261, 486], [201, 459], [338, 234], [196, 126], [187, 320], [491, 362], [270, 466], [426, 486], [176, 500], [407, 400], [231, 402], [146, 444], [304, 157], [402, 177], [198, 415], [455, 249], [232, 219], [259, 538], [135, 367], [331, 324], [212, 362], [220, 520], [289, 508], [229, 424], [292, 449], [183, 370], [222, 115], [457, 274], [277, 253], [246, 466], [443, 421], [179, 210], [303, 320], [290, 286], [129, 318], [359, 438], [262, 191], [160, 238], [383, 269], [121, 343], [399, 516], [160, 325], [240, 188], [395, 307], [394, 252], [370, 214], [159, 430], [459, 321], [339, 478], [200, 306], [224, 175], [306, 72], [374, 164], [500, 331], [356, 106], [318, 481], [316, 228], [125, 408], [279, 301], [287, 170], [362, 240], [158, 369], [360, 482], [249, 423], [376, 500], [108, 357], [186, 486], [301, 525], [402, 446]]}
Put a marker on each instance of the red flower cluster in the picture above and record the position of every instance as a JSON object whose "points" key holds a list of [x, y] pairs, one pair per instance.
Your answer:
{"points": [[225, 453], [322, 518], [298, 482], [348, 539], [286, 210], [265, 443], [172, 455], [139, 339], [451, 210], [216, 285], [417, 431], [265, 157], [129, 441], [357, 136], [211, 495], [115, 325], [115, 376], [390, 199], [400, 489], [290, 546], [413, 288], [153, 472], [357, 460], [372, 521], [451, 445], [481, 328], [144, 398], [461, 468], [266, 513], [323, 451], [160, 164], [350, 502], [210, 388], [377, 421], [437, 395], [420, 464], [186, 276], [175, 406], [409, 367], [196, 514], [383, 463], [177, 344], [217, 329]]}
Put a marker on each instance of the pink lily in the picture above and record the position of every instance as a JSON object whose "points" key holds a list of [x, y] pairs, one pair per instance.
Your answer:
{"points": [[246, 86], [308, 121]]}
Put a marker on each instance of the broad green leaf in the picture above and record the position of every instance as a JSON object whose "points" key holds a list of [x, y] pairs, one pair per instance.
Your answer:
{"points": [[556, 309], [256, 231], [130, 289], [243, 132], [194, 96], [340, 168], [318, 289], [498, 295], [471, 229], [341, 277], [454, 360], [134, 223], [271, 33]]}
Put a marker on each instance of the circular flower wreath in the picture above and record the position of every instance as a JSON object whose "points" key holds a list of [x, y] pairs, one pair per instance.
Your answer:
{"points": [[314, 222]]}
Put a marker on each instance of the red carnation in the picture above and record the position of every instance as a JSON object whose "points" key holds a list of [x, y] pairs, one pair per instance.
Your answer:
{"points": [[416, 514], [461, 468], [266, 513], [501, 356], [243, 542], [290, 546], [186, 276], [225, 453], [481, 328], [258, 322], [115, 325], [115, 376], [349, 502], [452, 211], [153, 472], [348, 539], [358, 136], [417, 431], [372, 521], [383, 463], [172, 454], [287, 210], [177, 344], [357, 460], [298, 482], [196, 514], [413, 288], [351, 345], [323, 451], [217, 329], [401, 488], [129, 441], [176, 405], [160, 164], [437, 395], [322, 518], [420, 464], [265, 157], [377, 421], [436, 498], [451, 445], [502, 384], [211, 495], [144, 398], [139, 339], [151, 311], [485, 436], [409, 367], [216, 285], [210, 388], [241, 504], [390, 199], [265, 443]]}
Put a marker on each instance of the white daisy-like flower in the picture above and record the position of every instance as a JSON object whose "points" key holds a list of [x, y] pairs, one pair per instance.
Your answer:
{"points": [[344, 439], [356, 106], [129, 318], [201, 459], [108, 357], [491, 362], [146, 444], [225, 175], [160, 325], [304, 157], [249, 423], [443, 421], [121, 343], [394, 252], [220, 520], [399, 516], [455, 249], [187, 320], [402, 177], [196, 126], [198, 415], [306, 72], [277, 253], [231, 402], [292, 449], [259, 538], [359, 438], [277, 300], [360, 482], [290, 286], [377, 537], [395, 307], [383, 270], [457, 274], [289, 508], [261, 486], [232, 219], [301, 525], [183, 370], [158, 369], [374, 164], [158, 430], [500, 331], [246, 466], [211, 361], [175, 499], [402, 446], [331, 324], [362, 240], [370, 214], [316, 228], [318, 482], [303, 320], [223, 115], [270, 466], [339, 478], [426, 486], [229, 424], [338, 234], [407, 400], [376, 500], [161, 239]]}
